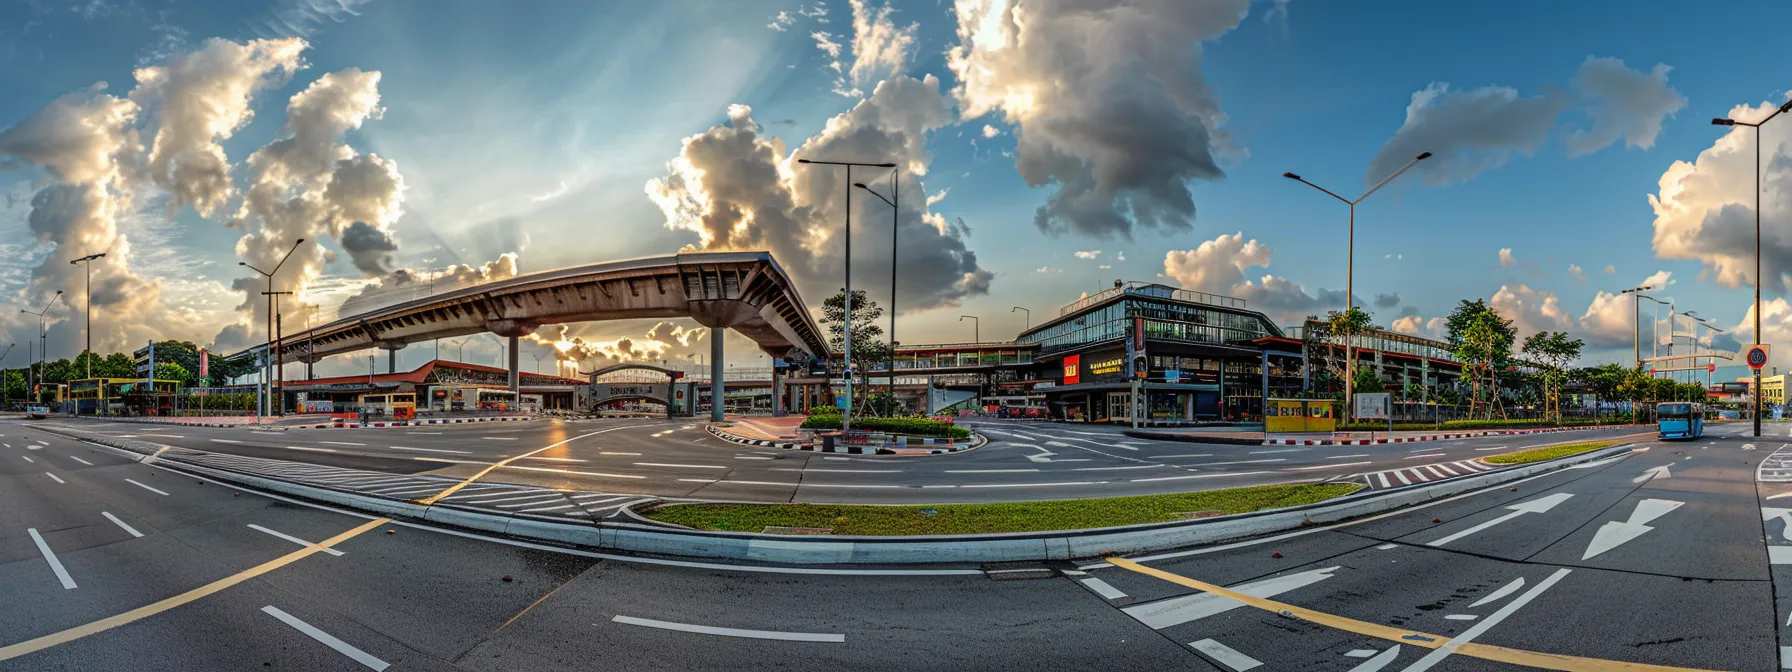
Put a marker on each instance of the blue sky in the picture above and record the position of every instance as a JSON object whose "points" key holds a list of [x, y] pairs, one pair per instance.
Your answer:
{"points": [[536, 131]]}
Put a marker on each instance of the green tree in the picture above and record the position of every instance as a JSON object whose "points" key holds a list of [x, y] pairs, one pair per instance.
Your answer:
{"points": [[868, 347], [171, 371], [1484, 346], [58, 371], [116, 365], [1605, 381], [1550, 352], [16, 387], [1368, 381]]}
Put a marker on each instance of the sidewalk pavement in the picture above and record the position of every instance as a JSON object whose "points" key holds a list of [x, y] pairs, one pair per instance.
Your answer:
{"points": [[781, 428]]}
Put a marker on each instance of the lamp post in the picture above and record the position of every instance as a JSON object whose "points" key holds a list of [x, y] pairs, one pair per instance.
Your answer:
{"points": [[42, 332], [1695, 340], [1785, 107], [267, 369], [1028, 313], [1636, 319], [895, 227], [89, 306], [1655, 339], [279, 364], [1350, 269], [976, 329], [846, 337]]}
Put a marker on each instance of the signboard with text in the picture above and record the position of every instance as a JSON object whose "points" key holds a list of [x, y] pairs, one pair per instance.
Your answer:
{"points": [[1373, 406], [1073, 369]]}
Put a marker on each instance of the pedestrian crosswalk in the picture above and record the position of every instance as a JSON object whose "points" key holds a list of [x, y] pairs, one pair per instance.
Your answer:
{"points": [[500, 497], [1423, 473]]}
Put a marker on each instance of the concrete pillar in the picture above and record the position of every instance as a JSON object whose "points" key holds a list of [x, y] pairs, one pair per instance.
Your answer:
{"points": [[777, 392], [516, 383], [392, 360], [1306, 379], [1425, 380], [716, 384], [1264, 404]]}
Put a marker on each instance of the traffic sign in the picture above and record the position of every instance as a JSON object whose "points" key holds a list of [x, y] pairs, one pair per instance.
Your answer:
{"points": [[1711, 368], [1756, 356]]}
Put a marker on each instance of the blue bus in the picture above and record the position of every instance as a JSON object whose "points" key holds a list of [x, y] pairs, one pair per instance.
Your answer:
{"points": [[1680, 420]]}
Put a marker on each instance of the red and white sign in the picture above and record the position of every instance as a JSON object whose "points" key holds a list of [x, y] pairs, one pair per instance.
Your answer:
{"points": [[1073, 369], [1756, 356], [1711, 368]]}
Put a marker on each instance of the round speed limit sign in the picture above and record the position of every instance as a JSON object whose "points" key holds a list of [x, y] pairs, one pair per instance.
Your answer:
{"points": [[1757, 357]]}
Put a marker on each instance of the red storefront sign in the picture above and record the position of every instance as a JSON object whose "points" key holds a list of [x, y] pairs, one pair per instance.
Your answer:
{"points": [[1073, 372]]}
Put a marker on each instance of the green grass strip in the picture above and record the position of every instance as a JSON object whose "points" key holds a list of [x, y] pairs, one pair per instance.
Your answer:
{"points": [[1068, 514], [1550, 452]]}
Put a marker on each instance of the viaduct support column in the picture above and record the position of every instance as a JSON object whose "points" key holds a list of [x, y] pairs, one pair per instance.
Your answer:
{"points": [[715, 372], [515, 374], [777, 392]]}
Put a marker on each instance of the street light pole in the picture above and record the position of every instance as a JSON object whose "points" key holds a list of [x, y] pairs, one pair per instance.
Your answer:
{"points": [[88, 351], [1350, 269], [895, 228], [1636, 319], [1028, 313], [846, 337], [1784, 107], [267, 369], [42, 333], [976, 329]]}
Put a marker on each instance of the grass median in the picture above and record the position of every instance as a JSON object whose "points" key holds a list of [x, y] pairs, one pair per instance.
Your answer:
{"points": [[1068, 514], [1550, 452]]}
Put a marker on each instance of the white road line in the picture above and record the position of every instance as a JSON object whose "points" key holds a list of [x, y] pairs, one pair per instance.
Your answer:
{"points": [[612, 452], [28, 459], [1444, 467], [1141, 466], [342, 443], [514, 505], [1497, 595], [77, 459], [329, 640], [498, 438], [431, 450], [1184, 478], [293, 539], [447, 461], [681, 466], [511, 497], [549, 508], [1345, 457], [1103, 589], [991, 471], [1420, 475], [1328, 466], [55, 478], [575, 473], [313, 450], [732, 632], [1029, 485], [1438, 654], [50, 557], [1387, 547], [1434, 471], [145, 487], [715, 480], [1492, 448], [1174, 457], [225, 441], [120, 523], [1383, 476], [1402, 477], [1409, 457], [1283, 450], [554, 459], [1216, 464], [1461, 617], [423, 432], [848, 471], [751, 457], [606, 498], [1226, 655], [412, 489]]}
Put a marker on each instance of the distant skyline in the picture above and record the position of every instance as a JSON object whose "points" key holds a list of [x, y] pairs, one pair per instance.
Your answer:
{"points": [[421, 146]]}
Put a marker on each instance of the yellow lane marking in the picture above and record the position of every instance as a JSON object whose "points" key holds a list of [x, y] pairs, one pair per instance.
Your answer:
{"points": [[104, 624], [1547, 661], [499, 464]]}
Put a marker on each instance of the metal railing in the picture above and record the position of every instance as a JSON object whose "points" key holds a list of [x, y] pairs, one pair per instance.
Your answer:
{"points": [[1153, 290]]}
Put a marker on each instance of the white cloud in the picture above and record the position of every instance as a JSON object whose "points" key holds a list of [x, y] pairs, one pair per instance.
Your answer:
{"points": [[991, 131], [1658, 279], [825, 42], [551, 194], [1088, 254], [1119, 256], [1704, 209], [1610, 269], [1506, 258], [937, 197], [781, 21], [1609, 320], [1575, 272], [1108, 104], [1218, 267], [1104, 267], [1624, 104], [1466, 132], [1048, 269], [1436, 327], [879, 46], [1531, 310]]}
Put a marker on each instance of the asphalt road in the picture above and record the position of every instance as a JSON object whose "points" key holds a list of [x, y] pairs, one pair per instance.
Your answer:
{"points": [[108, 564], [1023, 461]]}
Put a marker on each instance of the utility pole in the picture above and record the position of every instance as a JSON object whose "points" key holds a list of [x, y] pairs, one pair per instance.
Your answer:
{"points": [[88, 260], [266, 369], [278, 398], [846, 335]]}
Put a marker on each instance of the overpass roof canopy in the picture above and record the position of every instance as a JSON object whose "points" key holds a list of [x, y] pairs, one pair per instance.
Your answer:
{"points": [[744, 291]]}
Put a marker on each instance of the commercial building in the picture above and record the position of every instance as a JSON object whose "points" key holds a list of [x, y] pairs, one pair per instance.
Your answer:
{"points": [[439, 385]]}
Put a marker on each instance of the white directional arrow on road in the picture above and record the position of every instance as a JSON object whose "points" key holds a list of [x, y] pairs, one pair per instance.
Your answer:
{"points": [[1046, 455], [1539, 505], [1614, 533], [1178, 610], [1658, 472]]}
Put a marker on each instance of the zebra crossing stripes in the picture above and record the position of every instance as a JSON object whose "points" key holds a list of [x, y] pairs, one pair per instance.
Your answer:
{"points": [[1424, 473]]}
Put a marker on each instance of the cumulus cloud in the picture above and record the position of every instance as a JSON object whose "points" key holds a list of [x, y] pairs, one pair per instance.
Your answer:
{"points": [[1575, 272], [1624, 104], [1387, 300], [1531, 310], [408, 284], [658, 343], [1466, 132], [1047, 269], [1610, 269], [1609, 320], [991, 131], [1218, 267], [1704, 209], [1506, 258], [879, 46], [781, 21], [1107, 101], [1416, 325], [738, 188], [1088, 254]]}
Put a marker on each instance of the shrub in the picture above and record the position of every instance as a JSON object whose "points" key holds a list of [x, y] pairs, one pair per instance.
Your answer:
{"points": [[914, 426]]}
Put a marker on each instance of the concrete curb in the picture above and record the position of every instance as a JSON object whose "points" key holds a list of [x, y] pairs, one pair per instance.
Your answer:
{"points": [[976, 441], [1244, 441]]}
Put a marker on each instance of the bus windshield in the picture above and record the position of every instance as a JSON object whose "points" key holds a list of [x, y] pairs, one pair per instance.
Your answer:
{"points": [[1674, 410]]}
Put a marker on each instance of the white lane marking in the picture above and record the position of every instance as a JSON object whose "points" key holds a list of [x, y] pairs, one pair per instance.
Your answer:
{"points": [[612, 452], [1217, 464], [1345, 457], [1103, 589], [1179, 610], [342, 443], [498, 438], [1226, 655], [447, 461], [1613, 534], [511, 497], [225, 441], [848, 471], [1361, 653], [431, 450], [1434, 471], [35, 447], [1500, 594], [53, 477], [120, 523], [1461, 617], [77, 459], [28, 459], [423, 432], [310, 450], [1492, 448], [732, 632], [1444, 467], [990, 471], [554, 459], [1328, 466], [1027, 485], [754, 457], [1191, 476], [681, 466], [1437, 655], [1418, 475], [575, 473], [1179, 456], [547, 508], [1657, 472], [836, 459], [145, 487], [1375, 664], [1387, 547], [50, 557], [1538, 505], [1408, 457], [327, 639], [606, 498], [293, 539], [1283, 450], [1141, 466], [1384, 479]]}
